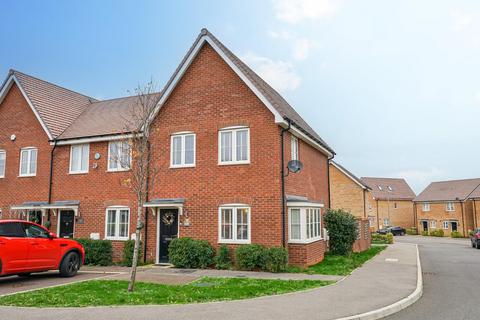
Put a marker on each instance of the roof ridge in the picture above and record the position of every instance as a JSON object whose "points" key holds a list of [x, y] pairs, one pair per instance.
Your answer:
{"points": [[13, 71], [383, 178], [455, 180], [124, 97]]}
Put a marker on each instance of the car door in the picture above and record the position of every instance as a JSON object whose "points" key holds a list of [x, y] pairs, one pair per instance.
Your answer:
{"points": [[13, 248], [44, 251]]}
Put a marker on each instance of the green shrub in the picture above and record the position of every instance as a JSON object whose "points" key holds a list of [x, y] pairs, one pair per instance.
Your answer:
{"points": [[379, 238], [412, 231], [342, 231], [389, 238], [190, 253], [456, 234], [424, 233], [128, 248], [471, 233], [276, 259], [251, 257], [437, 233], [222, 259], [97, 252]]}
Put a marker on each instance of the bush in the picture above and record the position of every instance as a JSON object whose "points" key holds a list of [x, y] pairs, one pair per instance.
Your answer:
{"points": [[342, 231], [276, 259], [128, 253], [412, 231], [389, 238], [97, 252], [190, 253], [437, 233], [424, 233], [222, 259], [456, 234], [379, 238], [251, 257], [471, 233]]}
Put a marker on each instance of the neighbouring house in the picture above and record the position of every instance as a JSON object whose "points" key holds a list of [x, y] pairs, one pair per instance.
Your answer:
{"points": [[222, 141], [391, 201], [348, 192], [475, 197], [448, 205]]}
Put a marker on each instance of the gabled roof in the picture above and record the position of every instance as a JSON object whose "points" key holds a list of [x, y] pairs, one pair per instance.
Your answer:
{"points": [[350, 175], [389, 188], [453, 190], [54, 106]]}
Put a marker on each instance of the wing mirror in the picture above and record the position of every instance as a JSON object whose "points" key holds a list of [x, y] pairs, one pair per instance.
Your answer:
{"points": [[52, 235]]}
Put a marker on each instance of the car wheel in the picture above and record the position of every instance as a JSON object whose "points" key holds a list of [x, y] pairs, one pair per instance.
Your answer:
{"points": [[70, 265], [473, 244], [478, 245], [24, 275]]}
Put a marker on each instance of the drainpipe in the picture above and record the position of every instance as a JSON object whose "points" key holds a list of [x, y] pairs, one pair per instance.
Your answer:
{"points": [[474, 215], [364, 204], [463, 218], [282, 171], [146, 209], [378, 219], [50, 182], [328, 180]]}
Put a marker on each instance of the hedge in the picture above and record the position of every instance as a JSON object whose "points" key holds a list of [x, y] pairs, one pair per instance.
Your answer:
{"points": [[97, 252], [437, 233], [379, 238], [257, 257], [342, 230], [128, 249], [456, 234], [190, 253], [222, 259], [412, 231]]}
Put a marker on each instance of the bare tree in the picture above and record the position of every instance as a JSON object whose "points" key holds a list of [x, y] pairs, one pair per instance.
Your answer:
{"points": [[137, 157]]}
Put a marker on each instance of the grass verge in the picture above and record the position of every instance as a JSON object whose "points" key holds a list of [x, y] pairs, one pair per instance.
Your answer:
{"points": [[114, 292], [340, 265]]}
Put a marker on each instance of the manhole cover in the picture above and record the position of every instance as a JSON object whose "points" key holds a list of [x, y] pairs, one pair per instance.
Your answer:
{"points": [[203, 284]]}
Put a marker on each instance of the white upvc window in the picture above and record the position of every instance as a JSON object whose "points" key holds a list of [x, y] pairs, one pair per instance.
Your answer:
{"points": [[234, 224], [3, 159], [446, 225], [28, 162], [79, 156], [304, 225], [450, 206], [117, 223], [234, 146], [119, 156], [426, 207], [294, 147], [433, 224], [386, 222], [182, 150]]}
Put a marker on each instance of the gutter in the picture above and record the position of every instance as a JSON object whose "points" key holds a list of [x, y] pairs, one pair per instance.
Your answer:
{"points": [[282, 172], [50, 182]]}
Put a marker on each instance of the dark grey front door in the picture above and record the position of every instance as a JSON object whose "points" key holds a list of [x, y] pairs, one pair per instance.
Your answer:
{"points": [[425, 225], [454, 225], [168, 231], [67, 221]]}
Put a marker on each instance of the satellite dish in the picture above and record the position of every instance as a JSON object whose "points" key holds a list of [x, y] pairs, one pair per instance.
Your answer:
{"points": [[294, 166]]}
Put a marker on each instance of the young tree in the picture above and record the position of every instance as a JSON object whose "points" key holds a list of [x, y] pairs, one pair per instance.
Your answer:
{"points": [[138, 158]]}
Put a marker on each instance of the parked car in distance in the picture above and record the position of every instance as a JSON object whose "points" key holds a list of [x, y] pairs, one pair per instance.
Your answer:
{"points": [[26, 247], [396, 231], [475, 238]]}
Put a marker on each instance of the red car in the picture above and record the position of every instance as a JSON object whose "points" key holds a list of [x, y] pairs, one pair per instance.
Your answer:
{"points": [[475, 238], [27, 247]]}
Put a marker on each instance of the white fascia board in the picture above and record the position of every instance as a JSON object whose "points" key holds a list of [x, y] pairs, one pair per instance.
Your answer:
{"points": [[92, 139], [310, 141], [346, 173], [4, 92], [304, 204]]}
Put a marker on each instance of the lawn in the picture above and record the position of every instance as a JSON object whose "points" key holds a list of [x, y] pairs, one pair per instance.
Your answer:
{"points": [[114, 292], [341, 265]]}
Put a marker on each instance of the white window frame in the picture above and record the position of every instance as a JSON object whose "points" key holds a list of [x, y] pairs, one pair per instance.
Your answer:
{"points": [[29, 173], [446, 225], [433, 224], [117, 223], [119, 166], [87, 145], [426, 207], [234, 239], [386, 222], [234, 160], [183, 135], [447, 206], [4, 153], [294, 148], [303, 225]]}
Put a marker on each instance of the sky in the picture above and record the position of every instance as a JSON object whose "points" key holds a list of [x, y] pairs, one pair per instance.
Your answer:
{"points": [[392, 86]]}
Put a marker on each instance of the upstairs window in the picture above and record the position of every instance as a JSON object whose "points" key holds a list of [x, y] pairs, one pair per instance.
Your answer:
{"points": [[3, 156], [426, 206], [234, 146], [28, 162], [450, 206], [79, 155], [294, 147], [182, 150], [304, 225], [119, 156]]}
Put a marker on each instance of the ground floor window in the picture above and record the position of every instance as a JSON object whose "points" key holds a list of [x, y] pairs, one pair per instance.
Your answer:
{"points": [[117, 223], [234, 224], [445, 225], [34, 216], [304, 225], [386, 222], [433, 224]]}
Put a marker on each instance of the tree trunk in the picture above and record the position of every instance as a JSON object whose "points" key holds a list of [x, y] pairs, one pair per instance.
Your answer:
{"points": [[133, 272]]}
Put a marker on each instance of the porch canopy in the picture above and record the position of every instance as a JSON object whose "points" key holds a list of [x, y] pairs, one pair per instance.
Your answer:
{"points": [[299, 201], [165, 203], [43, 206]]}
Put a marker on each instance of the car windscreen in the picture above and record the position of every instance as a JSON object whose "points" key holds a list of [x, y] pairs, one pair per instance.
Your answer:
{"points": [[11, 229]]}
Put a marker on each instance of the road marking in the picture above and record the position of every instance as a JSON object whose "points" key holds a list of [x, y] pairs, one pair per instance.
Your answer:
{"points": [[391, 260]]}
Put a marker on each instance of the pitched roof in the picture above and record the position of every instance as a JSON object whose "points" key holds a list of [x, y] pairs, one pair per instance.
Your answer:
{"points": [[350, 175], [389, 188], [449, 190]]}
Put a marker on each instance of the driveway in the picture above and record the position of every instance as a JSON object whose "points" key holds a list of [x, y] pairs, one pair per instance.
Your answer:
{"points": [[451, 279]]}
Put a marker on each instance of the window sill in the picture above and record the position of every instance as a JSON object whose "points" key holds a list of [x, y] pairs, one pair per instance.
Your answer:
{"points": [[182, 166], [116, 239], [233, 163], [234, 241], [122, 170], [305, 241], [77, 172], [27, 175]]}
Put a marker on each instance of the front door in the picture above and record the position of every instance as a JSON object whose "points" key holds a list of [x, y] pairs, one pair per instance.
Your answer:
{"points": [[168, 231], [425, 225], [454, 225], [66, 224]]}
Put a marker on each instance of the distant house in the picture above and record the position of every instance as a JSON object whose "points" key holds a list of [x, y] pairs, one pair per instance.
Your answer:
{"points": [[390, 202], [347, 191], [448, 205]]}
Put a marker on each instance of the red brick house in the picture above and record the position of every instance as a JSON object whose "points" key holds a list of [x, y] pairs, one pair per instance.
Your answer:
{"points": [[222, 138]]}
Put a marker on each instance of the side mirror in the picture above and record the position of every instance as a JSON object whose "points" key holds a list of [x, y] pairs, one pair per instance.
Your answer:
{"points": [[51, 235]]}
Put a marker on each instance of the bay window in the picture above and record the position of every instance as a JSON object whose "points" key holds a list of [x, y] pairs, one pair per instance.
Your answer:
{"points": [[234, 224], [304, 225]]}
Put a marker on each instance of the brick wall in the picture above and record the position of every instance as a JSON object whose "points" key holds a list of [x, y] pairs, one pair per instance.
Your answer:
{"points": [[304, 255], [402, 215], [346, 194], [439, 214], [364, 238]]}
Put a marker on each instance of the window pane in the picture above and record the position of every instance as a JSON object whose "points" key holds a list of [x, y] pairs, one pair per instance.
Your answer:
{"points": [[294, 147], [35, 216], [123, 224], [226, 224], [75, 158], [125, 158], [33, 161], [226, 146], [2, 164], [177, 150], [84, 162], [189, 149], [242, 224], [111, 219], [242, 145], [295, 224], [24, 162], [112, 161]]}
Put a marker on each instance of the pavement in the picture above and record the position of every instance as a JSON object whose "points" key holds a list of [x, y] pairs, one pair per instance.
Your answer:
{"points": [[451, 276], [389, 277]]}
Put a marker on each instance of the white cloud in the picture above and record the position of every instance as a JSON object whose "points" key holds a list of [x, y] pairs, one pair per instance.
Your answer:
{"points": [[419, 178], [294, 11], [279, 74], [300, 46]]}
